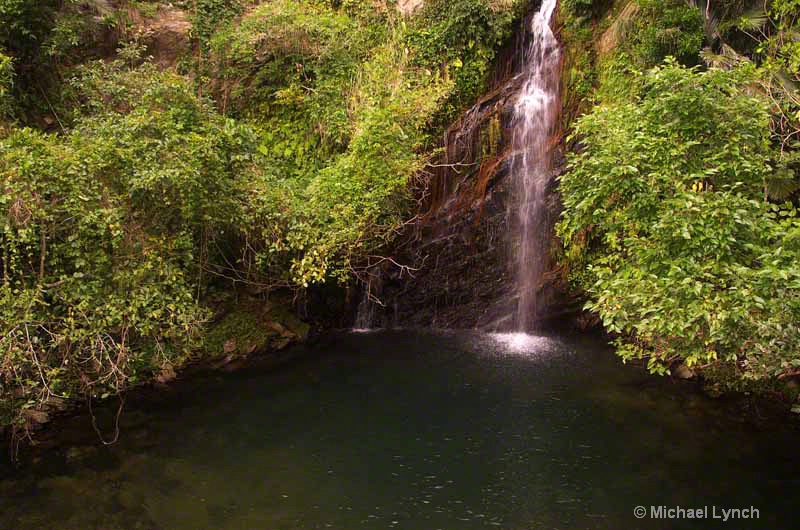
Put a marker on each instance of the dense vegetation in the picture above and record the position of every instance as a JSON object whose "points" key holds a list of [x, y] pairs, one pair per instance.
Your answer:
{"points": [[278, 151], [681, 221]]}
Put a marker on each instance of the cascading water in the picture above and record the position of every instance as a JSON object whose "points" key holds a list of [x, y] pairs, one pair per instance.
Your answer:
{"points": [[534, 126], [365, 315]]}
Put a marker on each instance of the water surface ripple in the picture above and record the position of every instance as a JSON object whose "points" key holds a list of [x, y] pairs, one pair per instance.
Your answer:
{"points": [[419, 430]]}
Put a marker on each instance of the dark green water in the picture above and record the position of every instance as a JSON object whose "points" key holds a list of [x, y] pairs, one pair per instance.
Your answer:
{"points": [[420, 431]]}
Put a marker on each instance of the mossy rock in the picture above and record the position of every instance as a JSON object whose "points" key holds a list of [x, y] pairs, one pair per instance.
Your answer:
{"points": [[239, 332], [246, 330], [290, 321]]}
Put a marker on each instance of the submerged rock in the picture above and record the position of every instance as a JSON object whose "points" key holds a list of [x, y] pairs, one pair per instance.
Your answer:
{"points": [[77, 454]]}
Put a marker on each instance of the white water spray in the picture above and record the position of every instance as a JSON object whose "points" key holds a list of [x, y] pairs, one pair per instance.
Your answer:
{"points": [[536, 116]]}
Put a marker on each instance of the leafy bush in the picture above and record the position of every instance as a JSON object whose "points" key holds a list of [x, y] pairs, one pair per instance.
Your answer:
{"points": [[583, 8], [667, 227], [778, 54], [459, 39], [45, 39], [291, 61], [21, 22], [665, 28], [107, 233], [354, 205], [347, 103], [207, 16], [6, 85]]}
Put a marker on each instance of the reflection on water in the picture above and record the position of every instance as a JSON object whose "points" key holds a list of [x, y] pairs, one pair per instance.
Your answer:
{"points": [[523, 343], [418, 431]]}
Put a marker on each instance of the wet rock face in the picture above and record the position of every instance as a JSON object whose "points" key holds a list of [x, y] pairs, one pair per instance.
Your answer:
{"points": [[463, 254], [463, 280], [457, 251], [465, 276], [461, 246]]}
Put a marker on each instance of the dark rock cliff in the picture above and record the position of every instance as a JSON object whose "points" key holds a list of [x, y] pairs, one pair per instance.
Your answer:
{"points": [[459, 250]]}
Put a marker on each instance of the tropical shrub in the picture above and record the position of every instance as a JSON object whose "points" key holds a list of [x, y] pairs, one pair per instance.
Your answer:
{"points": [[207, 16], [348, 98], [460, 39], [664, 28], [108, 233], [668, 227], [6, 86]]}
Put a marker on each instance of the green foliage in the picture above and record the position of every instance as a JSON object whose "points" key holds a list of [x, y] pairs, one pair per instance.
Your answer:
{"points": [[207, 16], [291, 61], [664, 28], [608, 45], [584, 9], [667, 229], [20, 22], [44, 39], [76, 29], [291, 67], [23, 25], [107, 233], [459, 39], [6, 86], [578, 39], [778, 53], [577, 7], [355, 204], [347, 98], [618, 79]]}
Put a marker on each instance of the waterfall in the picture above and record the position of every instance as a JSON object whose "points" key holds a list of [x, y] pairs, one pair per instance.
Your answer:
{"points": [[366, 317], [365, 314], [535, 120]]}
